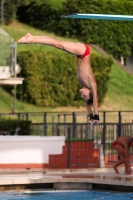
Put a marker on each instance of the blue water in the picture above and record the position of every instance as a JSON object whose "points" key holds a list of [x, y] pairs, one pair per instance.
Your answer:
{"points": [[71, 195]]}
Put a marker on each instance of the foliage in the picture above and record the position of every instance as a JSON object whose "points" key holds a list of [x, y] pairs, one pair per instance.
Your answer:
{"points": [[101, 66], [10, 9], [11, 124], [113, 36], [79, 140], [50, 79]]}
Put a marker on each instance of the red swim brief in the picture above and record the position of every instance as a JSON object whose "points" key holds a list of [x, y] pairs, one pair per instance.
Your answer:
{"points": [[114, 143], [87, 51]]}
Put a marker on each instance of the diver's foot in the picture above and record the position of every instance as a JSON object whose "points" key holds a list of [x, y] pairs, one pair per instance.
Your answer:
{"points": [[116, 170], [128, 173], [26, 39]]}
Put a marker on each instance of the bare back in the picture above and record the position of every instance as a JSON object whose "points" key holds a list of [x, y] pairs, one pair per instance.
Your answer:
{"points": [[124, 140]]}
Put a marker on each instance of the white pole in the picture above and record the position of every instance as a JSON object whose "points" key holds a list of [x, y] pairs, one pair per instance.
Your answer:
{"points": [[14, 73]]}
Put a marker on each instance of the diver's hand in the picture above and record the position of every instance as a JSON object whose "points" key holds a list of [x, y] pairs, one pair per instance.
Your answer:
{"points": [[94, 122]]}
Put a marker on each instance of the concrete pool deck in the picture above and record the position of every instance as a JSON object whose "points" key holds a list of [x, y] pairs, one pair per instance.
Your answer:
{"points": [[96, 178]]}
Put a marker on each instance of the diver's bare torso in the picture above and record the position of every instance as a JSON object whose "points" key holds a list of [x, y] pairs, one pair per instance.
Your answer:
{"points": [[84, 71]]}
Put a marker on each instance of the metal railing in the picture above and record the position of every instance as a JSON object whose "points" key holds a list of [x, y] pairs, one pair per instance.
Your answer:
{"points": [[58, 124], [72, 117], [103, 134]]}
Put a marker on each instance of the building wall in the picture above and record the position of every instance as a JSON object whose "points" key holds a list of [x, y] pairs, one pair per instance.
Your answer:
{"points": [[29, 149]]}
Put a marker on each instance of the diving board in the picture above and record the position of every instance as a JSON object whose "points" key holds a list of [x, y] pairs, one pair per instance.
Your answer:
{"points": [[99, 16]]}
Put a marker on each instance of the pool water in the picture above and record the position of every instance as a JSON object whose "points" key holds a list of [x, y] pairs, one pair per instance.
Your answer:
{"points": [[66, 195]]}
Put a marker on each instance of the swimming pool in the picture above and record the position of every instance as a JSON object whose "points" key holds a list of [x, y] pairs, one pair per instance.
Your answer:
{"points": [[66, 195]]}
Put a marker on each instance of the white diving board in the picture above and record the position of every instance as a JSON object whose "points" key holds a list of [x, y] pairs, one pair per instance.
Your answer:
{"points": [[99, 16]]}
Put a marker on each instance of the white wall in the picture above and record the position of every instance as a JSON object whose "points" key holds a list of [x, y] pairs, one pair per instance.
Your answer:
{"points": [[29, 149]]}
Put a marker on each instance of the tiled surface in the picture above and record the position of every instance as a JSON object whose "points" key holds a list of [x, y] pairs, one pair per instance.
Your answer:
{"points": [[82, 154], [96, 175]]}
